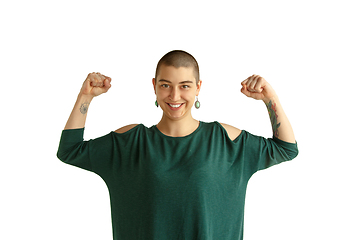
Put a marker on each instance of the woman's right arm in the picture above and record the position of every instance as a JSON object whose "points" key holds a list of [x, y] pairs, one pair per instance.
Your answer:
{"points": [[94, 85], [72, 148]]}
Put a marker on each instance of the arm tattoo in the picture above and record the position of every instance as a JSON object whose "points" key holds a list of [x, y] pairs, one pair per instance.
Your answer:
{"points": [[84, 107], [271, 107]]}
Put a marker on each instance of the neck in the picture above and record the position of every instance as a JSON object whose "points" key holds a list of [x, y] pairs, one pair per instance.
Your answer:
{"points": [[179, 128]]}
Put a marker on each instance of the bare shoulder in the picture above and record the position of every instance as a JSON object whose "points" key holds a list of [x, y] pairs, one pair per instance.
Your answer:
{"points": [[232, 132], [126, 128]]}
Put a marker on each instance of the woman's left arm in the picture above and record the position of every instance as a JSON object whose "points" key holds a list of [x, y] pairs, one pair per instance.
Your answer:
{"points": [[258, 88]]}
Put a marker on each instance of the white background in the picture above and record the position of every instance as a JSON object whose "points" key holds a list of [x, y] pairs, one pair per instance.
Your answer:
{"points": [[307, 50]]}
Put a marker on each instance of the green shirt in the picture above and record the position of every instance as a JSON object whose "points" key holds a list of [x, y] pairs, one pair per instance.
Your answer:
{"points": [[164, 188]]}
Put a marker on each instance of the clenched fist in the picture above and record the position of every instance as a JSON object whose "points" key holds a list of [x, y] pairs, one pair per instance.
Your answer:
{"points": [[95, 84], [256, 87]]}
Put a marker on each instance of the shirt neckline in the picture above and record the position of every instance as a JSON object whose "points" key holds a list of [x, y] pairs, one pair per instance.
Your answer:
{"points": [[183, 137]]}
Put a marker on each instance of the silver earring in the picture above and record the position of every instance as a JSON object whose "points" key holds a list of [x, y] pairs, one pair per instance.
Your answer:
{"points": [[197, 103]]}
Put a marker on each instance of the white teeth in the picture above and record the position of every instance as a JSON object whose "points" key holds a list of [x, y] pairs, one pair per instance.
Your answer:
{"points": [[175, 106]]}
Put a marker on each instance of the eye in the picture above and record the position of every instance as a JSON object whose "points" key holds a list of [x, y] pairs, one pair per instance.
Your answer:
{"points": [[185, 86], [165, 85]]}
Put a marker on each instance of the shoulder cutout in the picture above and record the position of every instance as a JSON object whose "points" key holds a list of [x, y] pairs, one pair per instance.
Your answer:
{"points": [[232, 132], [126, 128]]}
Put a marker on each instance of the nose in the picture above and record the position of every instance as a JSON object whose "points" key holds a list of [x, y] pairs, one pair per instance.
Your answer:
{"points": [[175, 95]]}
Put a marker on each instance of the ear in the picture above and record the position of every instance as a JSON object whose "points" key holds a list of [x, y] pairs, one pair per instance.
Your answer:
{"points": [[198, 87], [153, 82]]}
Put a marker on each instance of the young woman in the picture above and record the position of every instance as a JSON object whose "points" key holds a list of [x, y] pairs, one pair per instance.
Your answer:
{"points": [[181, 178]]}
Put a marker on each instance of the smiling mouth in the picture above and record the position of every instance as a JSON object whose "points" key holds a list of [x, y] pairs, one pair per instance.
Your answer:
{"points": [[175, 105]]}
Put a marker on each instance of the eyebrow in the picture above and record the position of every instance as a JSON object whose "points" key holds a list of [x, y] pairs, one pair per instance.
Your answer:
{"points": [[164, 80]]}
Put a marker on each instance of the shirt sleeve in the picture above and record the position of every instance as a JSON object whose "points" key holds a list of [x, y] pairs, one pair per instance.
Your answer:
{"points": [[73, 149], [96, 155], [266, 152]]}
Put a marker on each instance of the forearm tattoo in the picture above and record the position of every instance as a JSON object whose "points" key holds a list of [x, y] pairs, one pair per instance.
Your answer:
{"points": [[271, 107], [84, 107]]}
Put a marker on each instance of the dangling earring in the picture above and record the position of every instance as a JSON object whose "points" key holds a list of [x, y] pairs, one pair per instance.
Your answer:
{"points": [[197, 103], [156, 104]]}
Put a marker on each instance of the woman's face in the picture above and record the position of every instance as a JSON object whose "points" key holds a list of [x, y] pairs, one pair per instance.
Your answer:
{"points": [[175, 91]]}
